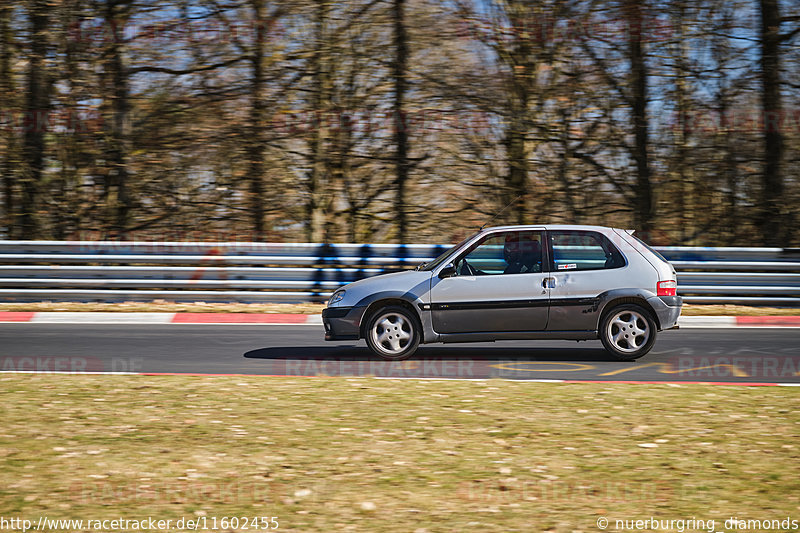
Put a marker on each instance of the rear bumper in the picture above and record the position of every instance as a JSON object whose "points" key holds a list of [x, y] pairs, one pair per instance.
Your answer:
{"points": [[668, 309], [342, 323]]}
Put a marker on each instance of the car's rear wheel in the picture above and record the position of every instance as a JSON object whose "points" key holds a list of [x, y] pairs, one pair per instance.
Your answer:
{"points": [[393, 333], [628, 331]]}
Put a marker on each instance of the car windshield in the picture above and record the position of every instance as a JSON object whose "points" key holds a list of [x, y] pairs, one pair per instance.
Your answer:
{"points": [[439, 260]]}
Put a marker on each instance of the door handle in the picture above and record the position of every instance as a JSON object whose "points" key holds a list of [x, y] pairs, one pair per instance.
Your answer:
{"points": [[549, 283]]}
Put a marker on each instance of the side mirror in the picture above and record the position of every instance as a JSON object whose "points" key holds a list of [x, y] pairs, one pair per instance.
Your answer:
{"points": [[448, 270]]}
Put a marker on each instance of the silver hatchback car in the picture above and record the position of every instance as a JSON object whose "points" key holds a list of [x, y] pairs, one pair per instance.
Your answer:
{"points": [[516, 282]]}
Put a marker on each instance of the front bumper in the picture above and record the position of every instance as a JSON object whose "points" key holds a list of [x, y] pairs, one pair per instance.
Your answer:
{"points": [[668, 309], [342, 323]]}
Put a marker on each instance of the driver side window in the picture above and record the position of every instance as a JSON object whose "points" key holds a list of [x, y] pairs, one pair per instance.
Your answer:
{"points": [[514, 252]]}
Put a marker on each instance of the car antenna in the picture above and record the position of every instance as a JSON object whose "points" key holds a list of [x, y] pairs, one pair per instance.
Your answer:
{"points": [[502, 211]]}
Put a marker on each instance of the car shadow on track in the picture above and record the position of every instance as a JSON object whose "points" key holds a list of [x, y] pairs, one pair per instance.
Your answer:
{"points": [[427, 353]]}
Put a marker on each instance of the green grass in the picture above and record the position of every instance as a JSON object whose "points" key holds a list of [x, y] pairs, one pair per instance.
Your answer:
{"points": [[364, 454]]}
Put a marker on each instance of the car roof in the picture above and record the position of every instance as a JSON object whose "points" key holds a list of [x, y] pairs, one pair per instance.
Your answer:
{"points": [[549, 226]]}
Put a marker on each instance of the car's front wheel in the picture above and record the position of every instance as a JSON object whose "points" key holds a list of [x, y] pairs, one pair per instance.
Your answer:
{"points": [[628, 331], [393, 333]]}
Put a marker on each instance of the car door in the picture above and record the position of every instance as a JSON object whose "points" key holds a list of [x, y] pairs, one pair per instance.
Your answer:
{"points": [[498, 286], [584, 264]]}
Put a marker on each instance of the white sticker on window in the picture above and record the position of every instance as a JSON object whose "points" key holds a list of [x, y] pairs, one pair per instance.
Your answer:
{"points": [[568, 266]]}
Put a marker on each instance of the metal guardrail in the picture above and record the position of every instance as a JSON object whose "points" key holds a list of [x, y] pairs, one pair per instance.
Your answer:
{"points": [[269, 272]]}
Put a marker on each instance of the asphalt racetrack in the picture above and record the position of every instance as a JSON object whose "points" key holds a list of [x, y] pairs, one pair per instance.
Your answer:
{"points": [[735, 355]]}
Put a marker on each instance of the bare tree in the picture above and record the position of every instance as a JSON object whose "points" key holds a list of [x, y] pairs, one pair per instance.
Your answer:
{"points": [[400, 119], [773, 221], [8, 96], [37, 107]]}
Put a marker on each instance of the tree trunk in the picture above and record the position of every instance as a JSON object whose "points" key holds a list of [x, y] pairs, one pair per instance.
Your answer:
{"points": [[517, 177], [321, 75], [685, 185], [519, 96], [728, 232], [7, 96], [573, 213], [255, 147], [733, 226], [644, 209], [400, 124], [67, 145], [118, 200], [771, 220], [36, 110]]}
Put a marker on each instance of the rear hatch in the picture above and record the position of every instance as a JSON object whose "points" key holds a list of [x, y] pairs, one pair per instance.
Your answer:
{"points": [[666, 272]]}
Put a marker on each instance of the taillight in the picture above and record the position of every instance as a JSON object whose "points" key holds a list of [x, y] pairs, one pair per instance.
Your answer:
{"points": [[667, 288]]}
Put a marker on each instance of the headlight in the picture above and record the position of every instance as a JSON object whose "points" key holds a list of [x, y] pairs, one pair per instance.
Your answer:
{"points": [[337, 297]]}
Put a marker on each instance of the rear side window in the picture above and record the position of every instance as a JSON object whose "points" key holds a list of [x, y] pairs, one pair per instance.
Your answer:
{"points": [[582, 250], [653, 250]]}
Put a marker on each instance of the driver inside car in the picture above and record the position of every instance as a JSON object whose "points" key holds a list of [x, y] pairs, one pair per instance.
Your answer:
{"points": [[522, 254], [519, 253]]}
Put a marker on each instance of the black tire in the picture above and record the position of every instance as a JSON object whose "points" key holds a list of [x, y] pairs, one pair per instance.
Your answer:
{"points": [[628, 331], [393, 333]]}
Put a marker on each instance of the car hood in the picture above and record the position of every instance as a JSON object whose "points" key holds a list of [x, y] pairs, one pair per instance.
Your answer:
{"points": [[415, 282]]}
